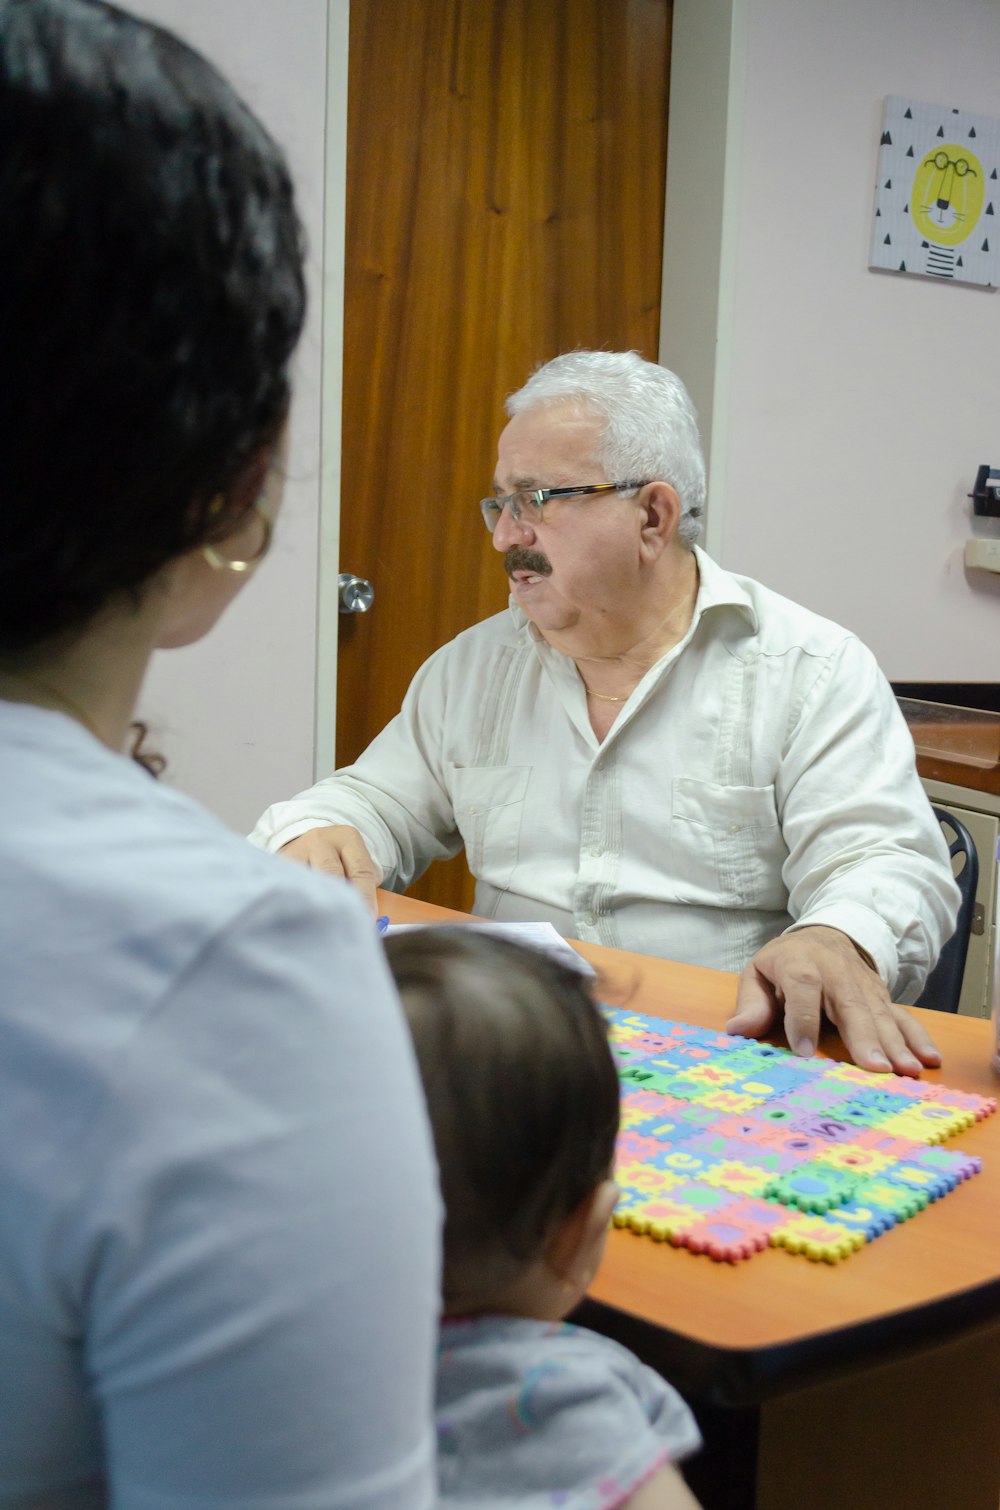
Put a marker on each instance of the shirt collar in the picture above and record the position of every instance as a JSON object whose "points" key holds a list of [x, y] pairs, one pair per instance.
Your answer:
{"points": [[716, 589], [720, 589]]}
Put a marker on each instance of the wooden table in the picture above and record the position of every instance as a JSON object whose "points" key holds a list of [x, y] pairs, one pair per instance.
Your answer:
{"points": [[873, 1382]]}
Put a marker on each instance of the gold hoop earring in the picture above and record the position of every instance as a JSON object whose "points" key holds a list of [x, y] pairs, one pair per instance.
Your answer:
{"points": [[219, 562]]}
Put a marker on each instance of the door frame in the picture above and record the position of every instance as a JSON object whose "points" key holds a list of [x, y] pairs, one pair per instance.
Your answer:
{"points": [[708, 54], [331, 385]]}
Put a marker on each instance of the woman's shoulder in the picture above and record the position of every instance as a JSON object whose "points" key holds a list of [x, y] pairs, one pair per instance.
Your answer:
{"points": [[91, 847]]}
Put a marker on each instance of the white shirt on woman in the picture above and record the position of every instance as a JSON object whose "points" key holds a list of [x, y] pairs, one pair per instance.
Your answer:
{"points": [[759, 775], [218, 1209]]}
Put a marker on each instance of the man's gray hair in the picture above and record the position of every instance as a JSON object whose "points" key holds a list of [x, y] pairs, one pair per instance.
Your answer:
{"points": [[651, 429]]}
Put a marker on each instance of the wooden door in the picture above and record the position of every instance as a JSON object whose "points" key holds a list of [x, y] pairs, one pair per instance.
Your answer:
{"points": [[505, 196]]}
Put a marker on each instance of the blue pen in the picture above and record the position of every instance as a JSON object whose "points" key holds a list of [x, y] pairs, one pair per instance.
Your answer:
{"points": [[381, 924]]}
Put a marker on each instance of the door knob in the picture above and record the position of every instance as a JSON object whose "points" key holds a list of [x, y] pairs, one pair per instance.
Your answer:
{"points": [[356, 594]]}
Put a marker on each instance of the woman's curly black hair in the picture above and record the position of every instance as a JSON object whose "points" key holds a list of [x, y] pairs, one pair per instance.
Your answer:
{"points": [[151, 296]]}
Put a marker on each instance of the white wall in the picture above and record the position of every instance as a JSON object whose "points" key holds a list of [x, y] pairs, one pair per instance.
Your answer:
{"points": [[848, 409], [236, 714]]}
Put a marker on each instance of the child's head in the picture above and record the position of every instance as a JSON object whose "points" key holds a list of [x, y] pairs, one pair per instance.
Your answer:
{"points": [[523, 1098]]}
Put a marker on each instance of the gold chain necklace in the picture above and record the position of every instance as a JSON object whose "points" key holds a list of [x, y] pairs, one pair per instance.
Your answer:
{"points": [[604, 696]]}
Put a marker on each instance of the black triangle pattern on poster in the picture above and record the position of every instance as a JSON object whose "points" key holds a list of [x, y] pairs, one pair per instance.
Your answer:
{"points": [[954, 109], [909, 151], [908, 115], [940, 131], [887, 241], [886, 139], [972, 131], [925, 243], [985, 247], [994, 173], [902, 267], [878, 214], [888, 183], [906, 209], [959, 263], [989, 208]]}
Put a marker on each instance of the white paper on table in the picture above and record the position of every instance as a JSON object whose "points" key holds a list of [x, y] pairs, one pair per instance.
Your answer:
{"points": [[535, 935]]}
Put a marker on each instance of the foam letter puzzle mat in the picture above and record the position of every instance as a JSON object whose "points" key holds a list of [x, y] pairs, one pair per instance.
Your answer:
{"points": [[729, 1146]]}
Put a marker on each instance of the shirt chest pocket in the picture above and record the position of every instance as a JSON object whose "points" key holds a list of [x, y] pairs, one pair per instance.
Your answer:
{"points": [[489, 803], [727, 846]]}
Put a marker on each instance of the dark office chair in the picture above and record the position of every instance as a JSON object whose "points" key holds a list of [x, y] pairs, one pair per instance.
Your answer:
{"points": [[944, 984]]}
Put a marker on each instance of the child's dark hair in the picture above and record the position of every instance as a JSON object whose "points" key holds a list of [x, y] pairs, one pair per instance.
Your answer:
{"points": [[151, 295], [522, 1092]]}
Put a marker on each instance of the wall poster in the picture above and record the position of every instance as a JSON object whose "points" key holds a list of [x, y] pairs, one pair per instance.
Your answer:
{"points": [[937, 194]]}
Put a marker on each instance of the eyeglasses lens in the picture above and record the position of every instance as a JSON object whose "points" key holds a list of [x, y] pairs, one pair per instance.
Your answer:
{"points": [[523, 505]]}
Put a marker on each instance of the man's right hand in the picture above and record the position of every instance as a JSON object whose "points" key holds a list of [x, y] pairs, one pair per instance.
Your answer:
{"points": [[340, 851]]}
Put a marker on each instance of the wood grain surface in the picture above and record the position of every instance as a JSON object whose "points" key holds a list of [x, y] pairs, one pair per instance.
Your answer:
{"points": [[775, 1298], [505, 198]]}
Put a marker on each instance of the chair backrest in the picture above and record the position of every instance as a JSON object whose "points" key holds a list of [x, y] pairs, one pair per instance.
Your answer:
{"points": [[944, 984]]}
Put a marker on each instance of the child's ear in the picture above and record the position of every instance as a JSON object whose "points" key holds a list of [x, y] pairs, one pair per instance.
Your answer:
{"points": [[575, 1248]]}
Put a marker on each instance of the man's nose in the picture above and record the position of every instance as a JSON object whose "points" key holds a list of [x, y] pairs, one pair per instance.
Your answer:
{"points": [[510, 531]]}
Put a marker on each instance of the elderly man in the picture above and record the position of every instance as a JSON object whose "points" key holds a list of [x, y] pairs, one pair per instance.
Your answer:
{"points": [[649, 751]]}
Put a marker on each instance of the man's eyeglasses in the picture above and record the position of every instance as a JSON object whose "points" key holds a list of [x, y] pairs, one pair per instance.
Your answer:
{"points": [[527, 504]]}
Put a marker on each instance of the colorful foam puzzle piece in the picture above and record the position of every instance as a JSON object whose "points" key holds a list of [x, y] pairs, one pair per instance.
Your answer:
{"points": [[962, 1165], [872, 1221], [739, 1230], [641, 1180], [814, 1187], [658, 1217], [738, 1177], [882, 1192], [930, 1122], [699, 1197], [918, 1177], [855, 1159], [728, 1146], [821, 1240]]}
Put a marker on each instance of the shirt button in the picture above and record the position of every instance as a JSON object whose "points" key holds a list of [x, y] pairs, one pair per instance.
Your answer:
{"points": [[474, 808], [734, 828], [588, 919]]}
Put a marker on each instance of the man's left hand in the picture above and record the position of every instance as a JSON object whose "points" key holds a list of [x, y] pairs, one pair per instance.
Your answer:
{"points": [[816, 969]]}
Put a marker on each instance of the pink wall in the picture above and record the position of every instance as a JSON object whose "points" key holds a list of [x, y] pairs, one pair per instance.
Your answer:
{"points": [[852, 408], [235, 714]]}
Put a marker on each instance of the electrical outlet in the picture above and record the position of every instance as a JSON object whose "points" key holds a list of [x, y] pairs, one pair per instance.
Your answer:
{"points": [[983, 554]]}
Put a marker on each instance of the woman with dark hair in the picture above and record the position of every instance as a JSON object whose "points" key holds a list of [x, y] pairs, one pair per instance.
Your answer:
{"points": [[211, 1131]]}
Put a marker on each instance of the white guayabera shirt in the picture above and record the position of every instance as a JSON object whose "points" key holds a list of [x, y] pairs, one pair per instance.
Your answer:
{"points": [[759, 775]]}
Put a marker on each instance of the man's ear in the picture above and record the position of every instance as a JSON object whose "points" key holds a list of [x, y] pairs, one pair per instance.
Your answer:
{"points": [[575, 1248], [661, 507]]}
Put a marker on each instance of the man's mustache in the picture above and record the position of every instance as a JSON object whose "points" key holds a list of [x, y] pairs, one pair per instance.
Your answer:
{"points": [[519, 559]]}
